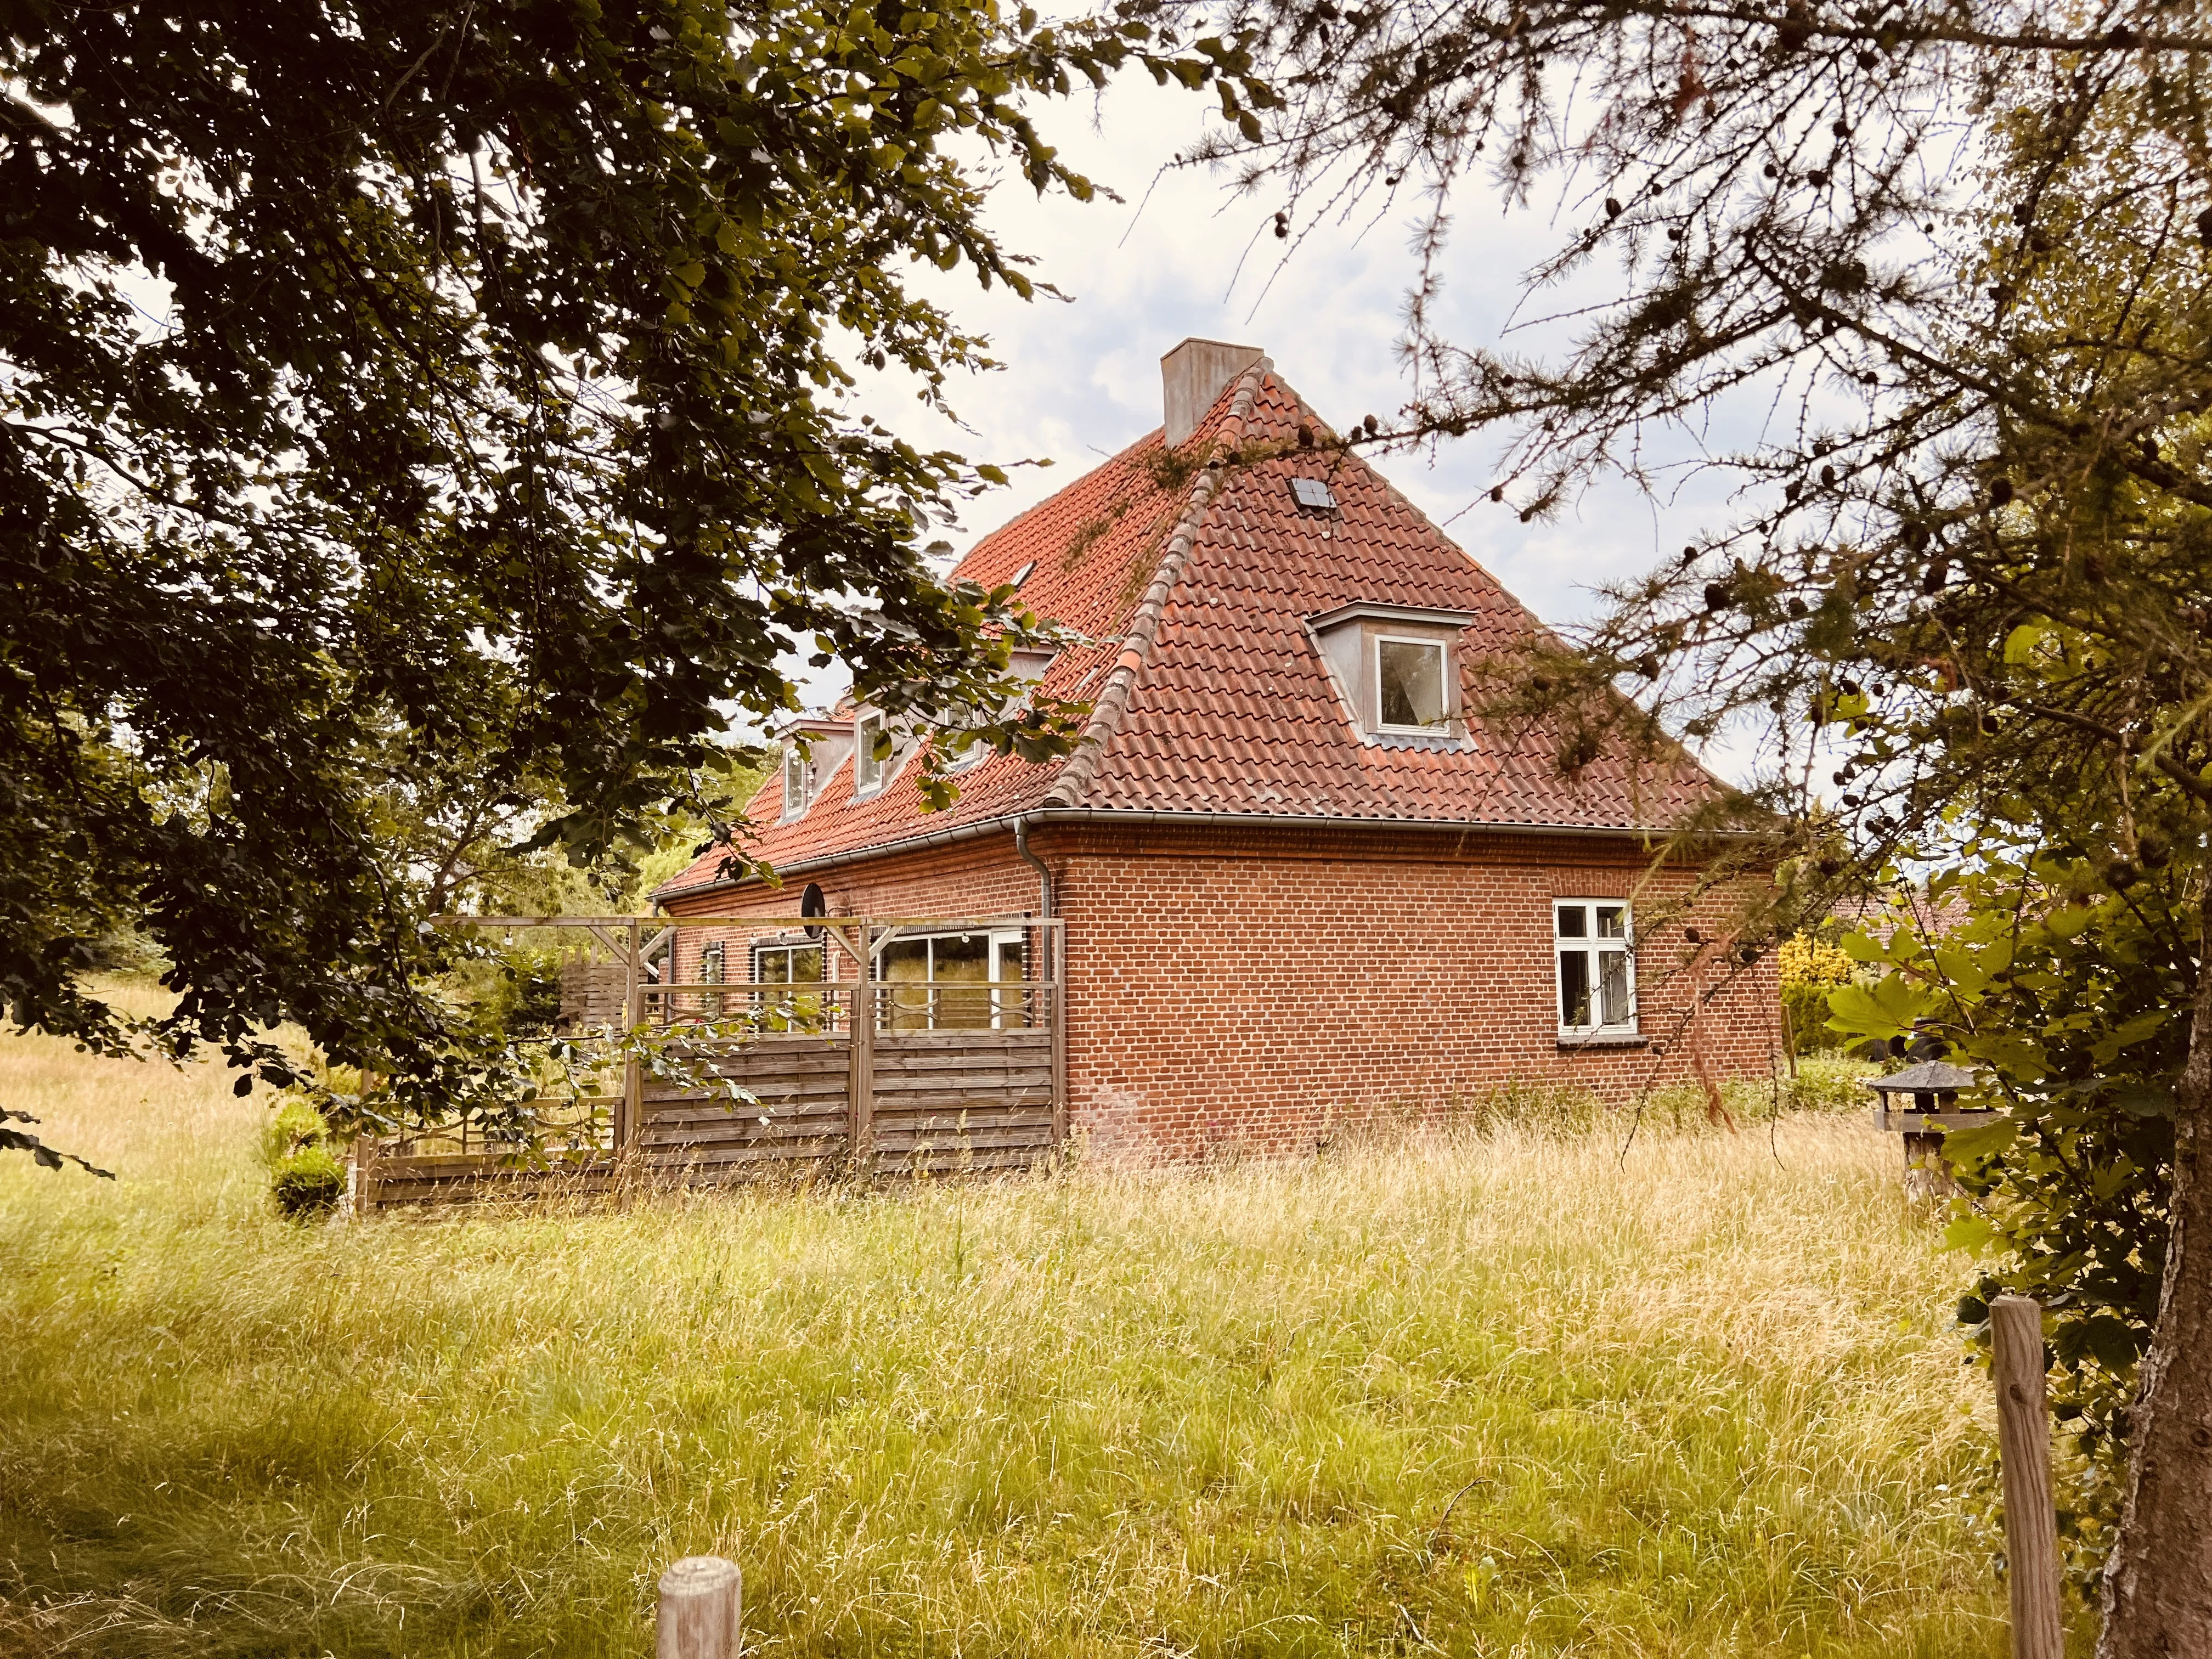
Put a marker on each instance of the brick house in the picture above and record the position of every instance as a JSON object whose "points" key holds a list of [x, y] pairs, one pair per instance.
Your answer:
{"points": [[1299, 881]]}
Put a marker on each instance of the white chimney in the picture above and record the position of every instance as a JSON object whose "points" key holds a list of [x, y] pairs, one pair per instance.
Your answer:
{"points": [[1193, 375]]}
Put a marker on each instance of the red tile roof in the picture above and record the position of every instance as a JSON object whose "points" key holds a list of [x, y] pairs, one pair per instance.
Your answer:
{"points": [[1208, 694]]}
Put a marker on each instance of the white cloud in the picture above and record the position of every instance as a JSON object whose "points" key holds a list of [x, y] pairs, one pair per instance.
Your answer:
{"points": [[1082, 379], [1082, 375]]}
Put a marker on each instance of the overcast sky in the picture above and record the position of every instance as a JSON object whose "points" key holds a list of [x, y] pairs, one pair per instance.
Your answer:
{"points": [[1082, 380]]}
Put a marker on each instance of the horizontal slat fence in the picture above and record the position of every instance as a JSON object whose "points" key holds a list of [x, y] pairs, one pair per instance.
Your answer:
{"points": [[387, 1180], [947, 1101], [801, 1090], [813, 1097]]}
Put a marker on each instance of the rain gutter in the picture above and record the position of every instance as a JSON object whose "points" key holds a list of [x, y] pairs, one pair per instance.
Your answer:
{"points": [[1045, 817]]}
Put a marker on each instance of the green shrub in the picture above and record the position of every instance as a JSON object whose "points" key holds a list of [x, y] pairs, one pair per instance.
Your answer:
{"points": [[304, 1175], [1824, 1083], [296, 1127], [1830, 1083], [1805, 1007], [1810, 968], [1683, 1107], [1543, 1109], [309, 1182], [517, 990]]}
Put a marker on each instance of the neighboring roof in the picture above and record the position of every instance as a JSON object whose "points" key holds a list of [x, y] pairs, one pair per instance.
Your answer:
{"points": [[1196, 586], [1881, 914]]}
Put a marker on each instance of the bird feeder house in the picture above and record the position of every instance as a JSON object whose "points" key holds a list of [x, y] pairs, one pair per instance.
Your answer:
{"points": [[1921, 1102]]}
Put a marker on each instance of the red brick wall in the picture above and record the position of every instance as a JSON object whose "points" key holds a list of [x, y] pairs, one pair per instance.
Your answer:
{"points": [[1256, 989], [971, 881]]}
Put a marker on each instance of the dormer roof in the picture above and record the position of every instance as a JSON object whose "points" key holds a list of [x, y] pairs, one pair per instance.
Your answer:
{"points": [[1200, 584], [1416, 615]]}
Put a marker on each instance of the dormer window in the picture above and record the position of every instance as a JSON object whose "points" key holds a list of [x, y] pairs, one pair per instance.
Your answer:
{"points": [[797, 780], [1028, 667], [1409, 685], [813, 749], [1397, 669], [1024, 668], [871, 754]]}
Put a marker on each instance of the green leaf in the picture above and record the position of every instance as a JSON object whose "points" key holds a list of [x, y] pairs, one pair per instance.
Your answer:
{"points": [[1888, 1009], [1970, 1232]]}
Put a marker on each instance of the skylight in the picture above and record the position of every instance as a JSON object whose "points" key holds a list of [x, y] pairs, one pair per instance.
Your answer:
{"points": [[1022, 575], [1313, 493]]}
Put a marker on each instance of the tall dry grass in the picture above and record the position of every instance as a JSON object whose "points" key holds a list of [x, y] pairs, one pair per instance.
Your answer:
{"points": [[1512, 1395]]}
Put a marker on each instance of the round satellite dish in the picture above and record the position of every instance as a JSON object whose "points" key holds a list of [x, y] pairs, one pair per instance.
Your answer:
{"points": [[812, 903]]}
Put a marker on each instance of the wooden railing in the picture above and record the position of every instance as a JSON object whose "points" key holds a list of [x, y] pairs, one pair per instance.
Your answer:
{"points": [[551, 1123], [708, 1080], [1010, 1005], [744, 1011]]}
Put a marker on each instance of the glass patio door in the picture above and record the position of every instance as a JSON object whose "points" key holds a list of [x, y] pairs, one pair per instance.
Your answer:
{"points": [[942, 982]]}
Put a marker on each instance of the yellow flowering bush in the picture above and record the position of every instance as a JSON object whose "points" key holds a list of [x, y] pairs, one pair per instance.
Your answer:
{"points": [[1804, 960], [1809, 968]]}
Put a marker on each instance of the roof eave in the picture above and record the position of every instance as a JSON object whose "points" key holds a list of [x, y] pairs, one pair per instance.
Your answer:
{"points": [[1003, 823], [1362, 610]]}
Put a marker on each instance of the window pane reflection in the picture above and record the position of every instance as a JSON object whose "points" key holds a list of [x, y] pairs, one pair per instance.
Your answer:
{"points": [[1574, 987], [1612, 987], [1410, 682]]}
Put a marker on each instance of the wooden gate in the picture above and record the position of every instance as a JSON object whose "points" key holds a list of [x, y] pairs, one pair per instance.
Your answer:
{"points": [[855, 1075]]}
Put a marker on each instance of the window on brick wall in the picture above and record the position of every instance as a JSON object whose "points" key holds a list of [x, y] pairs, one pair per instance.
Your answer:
{"points": [[954, 981], [1592, 943], [873, 753], [791, 965], [711, 965]]}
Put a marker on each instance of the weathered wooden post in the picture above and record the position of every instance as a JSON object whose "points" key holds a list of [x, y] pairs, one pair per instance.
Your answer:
{"points": [[702, 1598], [2024, 1451], [1055, 959], [362, 1193], [633, 1102], [860, 1115]]}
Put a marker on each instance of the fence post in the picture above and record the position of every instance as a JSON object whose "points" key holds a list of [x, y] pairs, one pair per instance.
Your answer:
{"points": [[363, 1185], [2024, 1452], [1055, 957], [860, 1115], [626, 1132], [701, 1600]]}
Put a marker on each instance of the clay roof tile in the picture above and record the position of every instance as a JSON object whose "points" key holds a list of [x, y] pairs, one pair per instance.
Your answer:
{"points": [[1208, 694]]}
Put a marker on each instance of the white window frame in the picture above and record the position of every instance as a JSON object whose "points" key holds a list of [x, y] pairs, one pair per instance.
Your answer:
{"points": [[869, 774], [798, 767], [974, 754], [998, 940], [1594, 949], [1442, 726], [714, 970], [805, 1005], [1022, 674], [786, 947]]}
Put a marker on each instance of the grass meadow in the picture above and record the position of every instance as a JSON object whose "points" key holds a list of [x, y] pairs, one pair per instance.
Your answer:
{"points": [[1501, 1395]]}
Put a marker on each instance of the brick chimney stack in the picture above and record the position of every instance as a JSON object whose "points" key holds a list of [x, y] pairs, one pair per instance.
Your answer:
{"points": [[1193, 375]]}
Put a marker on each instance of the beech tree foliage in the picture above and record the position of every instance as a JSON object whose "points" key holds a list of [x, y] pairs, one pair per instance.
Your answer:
{"points": [[423, 422], [2073, 998], [1927, 281]]}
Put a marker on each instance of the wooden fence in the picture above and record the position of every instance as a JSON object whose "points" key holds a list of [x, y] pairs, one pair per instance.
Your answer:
{"points": [[722, 1082]]}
